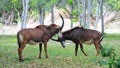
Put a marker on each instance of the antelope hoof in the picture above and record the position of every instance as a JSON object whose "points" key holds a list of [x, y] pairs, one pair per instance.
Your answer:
{"points": [[21, 60], [47, 57], [39, 57]]}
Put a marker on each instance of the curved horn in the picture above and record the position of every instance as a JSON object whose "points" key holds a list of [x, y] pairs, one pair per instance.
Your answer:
{"points": [[62, 43], [58, 40], [55, 39], [62, 21], [60, 34]]}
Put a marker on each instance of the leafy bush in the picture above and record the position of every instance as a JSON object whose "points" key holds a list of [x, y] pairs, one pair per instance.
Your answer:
{"points": [[109, 56], [117, 62], [106, 52]]}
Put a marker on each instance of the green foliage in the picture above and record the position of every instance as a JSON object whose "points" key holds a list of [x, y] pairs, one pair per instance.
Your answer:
{"points": [[101, 62], [109, 54], [74, 12], [16, 3], [4, 5], [35, 4], [114, 4], [117, 63], [7, 5], [70, 1], [106, 52], [74, 20]]}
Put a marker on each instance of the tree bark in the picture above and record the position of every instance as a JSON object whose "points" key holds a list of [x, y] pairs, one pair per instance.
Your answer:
{"points": [[71, 17], [52, 14], [84, 13], [79, 16], [41, 13], [102, 18], [97, 14], [89, 13], [24, 13]]}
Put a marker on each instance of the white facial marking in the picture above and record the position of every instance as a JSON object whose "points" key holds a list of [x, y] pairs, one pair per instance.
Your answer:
{"points": [[60, 35]]}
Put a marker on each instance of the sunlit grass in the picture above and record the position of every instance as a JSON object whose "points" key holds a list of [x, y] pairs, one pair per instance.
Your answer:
{"points": [[58, 57]]}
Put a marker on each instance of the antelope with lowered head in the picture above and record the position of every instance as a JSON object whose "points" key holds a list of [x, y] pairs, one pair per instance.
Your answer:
{"points": [[80, 35], [40, 34]]}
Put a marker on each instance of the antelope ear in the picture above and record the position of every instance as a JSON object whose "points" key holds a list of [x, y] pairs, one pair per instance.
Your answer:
{"points": [[37, 27], [49, 27]]}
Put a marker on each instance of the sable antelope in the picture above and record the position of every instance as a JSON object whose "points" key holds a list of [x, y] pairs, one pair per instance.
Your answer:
{"points": [[40, 34], [80, 35]]}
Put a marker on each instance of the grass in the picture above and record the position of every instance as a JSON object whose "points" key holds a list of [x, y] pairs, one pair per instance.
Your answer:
{"points": [[58, 56]]}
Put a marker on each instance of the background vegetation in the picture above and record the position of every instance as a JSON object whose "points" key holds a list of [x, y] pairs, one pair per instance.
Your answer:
{"points": [[82, 11]]}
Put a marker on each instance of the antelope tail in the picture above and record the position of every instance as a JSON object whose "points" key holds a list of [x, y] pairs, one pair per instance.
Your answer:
{"points": [[18, 40]]}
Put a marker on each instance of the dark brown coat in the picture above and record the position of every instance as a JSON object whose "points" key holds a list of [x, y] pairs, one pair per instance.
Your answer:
{"points": [[80, 35]]}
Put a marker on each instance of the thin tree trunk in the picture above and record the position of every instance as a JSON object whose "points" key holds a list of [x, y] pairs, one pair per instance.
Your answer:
{"points": [[89, 13], [41, 15], [52, 14], [71, 17], [24, 13], [97, 15], [79, 17], [23, 25], [101, 13], [84, 13]]}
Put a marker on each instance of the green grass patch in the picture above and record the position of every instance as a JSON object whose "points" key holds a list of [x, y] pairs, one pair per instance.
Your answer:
{"points": [[58, 57]]}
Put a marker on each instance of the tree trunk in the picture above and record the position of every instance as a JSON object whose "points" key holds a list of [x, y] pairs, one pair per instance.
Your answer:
{"points": [[97, 15], [84, 13], [52, 14], [101, 13], [71, 16], [79, 17], [89, 13], [24, 13], [41, 13]]}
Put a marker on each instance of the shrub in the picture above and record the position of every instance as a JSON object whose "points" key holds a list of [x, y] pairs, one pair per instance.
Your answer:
{"points": [[109, 56]]}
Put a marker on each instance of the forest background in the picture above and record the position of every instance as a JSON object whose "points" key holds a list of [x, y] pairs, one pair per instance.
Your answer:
{"points": [[101, 15]]}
